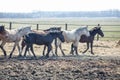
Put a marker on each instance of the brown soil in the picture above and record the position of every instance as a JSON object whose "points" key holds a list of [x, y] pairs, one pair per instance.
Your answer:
{"points": [[104, 65]]}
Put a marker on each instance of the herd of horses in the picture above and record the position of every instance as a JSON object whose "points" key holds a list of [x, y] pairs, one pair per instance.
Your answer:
{"points": [[29, 37]]}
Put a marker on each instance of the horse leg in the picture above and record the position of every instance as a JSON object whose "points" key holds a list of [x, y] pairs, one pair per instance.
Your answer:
{"points": [[31, 48], [1, 46], [44, 50], [26, 49], [92, 48], [75, 45], [56, 47], [61, 50], [76, 50], [20, 51], [48, 51], [3, 51], [22, 46], [72, 49], [12, 50], [87, 47]]}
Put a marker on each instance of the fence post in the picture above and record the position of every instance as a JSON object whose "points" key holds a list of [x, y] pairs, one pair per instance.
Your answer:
{"points": [[10, 26], [97, 37], [65, 26], [37, 27]]}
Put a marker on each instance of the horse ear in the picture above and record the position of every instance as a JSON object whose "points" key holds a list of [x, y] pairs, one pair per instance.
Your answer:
{"points": [[98, 24]]}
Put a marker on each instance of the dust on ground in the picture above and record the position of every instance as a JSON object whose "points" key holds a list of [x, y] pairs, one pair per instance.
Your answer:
{"points": [[104, 65]]}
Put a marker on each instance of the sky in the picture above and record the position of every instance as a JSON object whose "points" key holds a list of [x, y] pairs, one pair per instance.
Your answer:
{"points": [[58, 5]]}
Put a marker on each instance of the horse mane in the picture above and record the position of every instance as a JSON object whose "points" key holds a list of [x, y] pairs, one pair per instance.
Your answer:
{"points": [[93, 29], [53, 29], [81, 28], [21, 28]]}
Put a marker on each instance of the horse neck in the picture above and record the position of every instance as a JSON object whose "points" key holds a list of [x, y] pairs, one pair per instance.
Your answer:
{"points": [[93, 33], [54, 36], [21, 33]]}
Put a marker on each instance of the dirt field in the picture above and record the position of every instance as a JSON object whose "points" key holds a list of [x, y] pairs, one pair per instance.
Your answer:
{"points": [[104, 65]]}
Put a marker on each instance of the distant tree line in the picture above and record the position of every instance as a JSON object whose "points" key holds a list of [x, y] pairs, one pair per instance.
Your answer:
{"points": [[59, 14]]}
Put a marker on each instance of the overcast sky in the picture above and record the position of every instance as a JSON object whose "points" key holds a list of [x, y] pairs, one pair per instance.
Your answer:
{"points": [[57, 5]]}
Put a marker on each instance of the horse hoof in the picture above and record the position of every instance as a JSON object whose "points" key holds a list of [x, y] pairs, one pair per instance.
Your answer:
{"points": [[46, 56], [64, 55], [92, 53], [35, 57], [9, 58], [5, 56], [19, 56]]}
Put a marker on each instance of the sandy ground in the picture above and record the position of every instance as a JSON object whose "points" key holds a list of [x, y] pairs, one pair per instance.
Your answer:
{"points": [[104, 65]]}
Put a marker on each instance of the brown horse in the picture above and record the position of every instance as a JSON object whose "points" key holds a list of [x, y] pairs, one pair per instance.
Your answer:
{"points": [[46, 31], [41, 39]]}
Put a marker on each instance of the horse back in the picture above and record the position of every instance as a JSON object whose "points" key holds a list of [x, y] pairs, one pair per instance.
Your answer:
{"points": [[38, 39]]}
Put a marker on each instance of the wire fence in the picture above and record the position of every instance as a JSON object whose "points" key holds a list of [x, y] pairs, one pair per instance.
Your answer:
{"points": [[110, 31]]}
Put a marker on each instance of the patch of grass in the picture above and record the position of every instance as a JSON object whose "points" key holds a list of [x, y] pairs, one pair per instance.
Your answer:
{"points": [[107, 24]]}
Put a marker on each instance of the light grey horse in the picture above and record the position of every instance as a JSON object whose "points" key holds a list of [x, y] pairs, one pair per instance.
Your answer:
{"points": [[13, 36]]}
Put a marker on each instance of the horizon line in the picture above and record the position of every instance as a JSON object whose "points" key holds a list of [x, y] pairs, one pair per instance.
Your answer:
{"points": [[60, 11]]}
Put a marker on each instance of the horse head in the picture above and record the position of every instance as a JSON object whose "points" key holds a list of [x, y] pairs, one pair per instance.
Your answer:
{"points": [[99, 31], [58, 34], [2, 29]]}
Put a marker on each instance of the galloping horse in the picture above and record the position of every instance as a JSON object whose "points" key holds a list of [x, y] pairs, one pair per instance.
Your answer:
{"points": [[73, 36], [8, 36], [90, 39], [41, 39]]}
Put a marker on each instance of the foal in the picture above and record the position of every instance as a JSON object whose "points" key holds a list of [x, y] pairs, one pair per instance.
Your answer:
{"points": [[41, 39], [46, 31]]}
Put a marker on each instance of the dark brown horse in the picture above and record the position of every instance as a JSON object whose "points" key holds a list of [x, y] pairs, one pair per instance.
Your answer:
{"points": [[46, 31], [52, 29], [90, 39], [41, 39]]}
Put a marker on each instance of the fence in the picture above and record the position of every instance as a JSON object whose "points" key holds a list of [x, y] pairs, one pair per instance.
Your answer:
{"points": [[66, 27]]}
